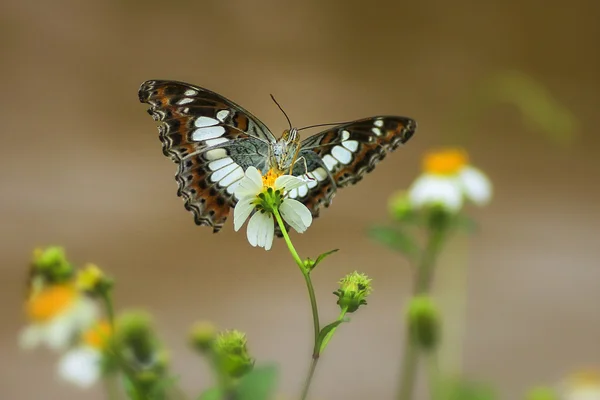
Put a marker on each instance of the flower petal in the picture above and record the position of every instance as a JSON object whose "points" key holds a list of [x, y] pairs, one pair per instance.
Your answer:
{"points": [[80, 366], [436, 190], [250, 184], [296, 214], [476, 186], [288, 182], [242, 210], [260, 229]]}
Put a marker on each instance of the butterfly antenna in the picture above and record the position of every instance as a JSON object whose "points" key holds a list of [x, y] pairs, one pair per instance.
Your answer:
{"points": [[286, 116], [329, 124]]}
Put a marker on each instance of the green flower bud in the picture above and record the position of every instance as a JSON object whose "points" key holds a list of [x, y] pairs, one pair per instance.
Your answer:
{"points": [[136, 338], [203, 336], [353, 291], [424, 322], [92, 279], [232, 353], [542, 393], [52, 263]]}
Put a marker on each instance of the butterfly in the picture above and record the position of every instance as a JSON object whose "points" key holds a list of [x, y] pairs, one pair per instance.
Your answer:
{"points": [[213, 141]]}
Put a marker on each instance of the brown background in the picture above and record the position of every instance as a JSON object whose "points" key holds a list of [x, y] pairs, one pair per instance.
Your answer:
{"points": [[81, 166]]}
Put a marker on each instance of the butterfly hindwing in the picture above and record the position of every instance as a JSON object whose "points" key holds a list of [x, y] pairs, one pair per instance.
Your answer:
{"points": [[212, 139]]}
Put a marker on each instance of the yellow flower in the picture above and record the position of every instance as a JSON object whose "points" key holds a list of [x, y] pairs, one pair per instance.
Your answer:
{"points": [[56, 314], [448, 180]]}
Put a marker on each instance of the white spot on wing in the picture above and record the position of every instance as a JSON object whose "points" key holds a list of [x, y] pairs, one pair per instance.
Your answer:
{"points": [[218, 164], [343, 155], [378, 123], [209, 132], [345, 135], [214, 142], [215, 154], [223, 172], [190, 92], [351, 145], [221, 115], [184, 101], [303, 191], [320, 174], [233, 177], [376, 131], [330, 162], [205, 121]]}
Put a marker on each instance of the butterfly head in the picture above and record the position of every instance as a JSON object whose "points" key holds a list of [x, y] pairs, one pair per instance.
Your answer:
{"points": [[284, 152]]}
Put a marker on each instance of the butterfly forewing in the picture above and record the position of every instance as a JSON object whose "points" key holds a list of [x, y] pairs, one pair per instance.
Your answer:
{"points": [[211, 138], [342, 155]]}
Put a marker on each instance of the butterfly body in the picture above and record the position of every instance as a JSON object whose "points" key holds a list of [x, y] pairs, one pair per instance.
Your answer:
{"points": [[214, 140]]}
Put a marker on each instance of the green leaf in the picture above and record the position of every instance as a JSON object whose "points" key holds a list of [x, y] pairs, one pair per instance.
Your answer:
{"points": [[321, 257], [394, 238], [211, 394], [325, 331], [259, 384]]}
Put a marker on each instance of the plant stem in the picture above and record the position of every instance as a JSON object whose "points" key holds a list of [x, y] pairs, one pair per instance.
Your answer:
{"points": [[313, 301], [423, 279]]}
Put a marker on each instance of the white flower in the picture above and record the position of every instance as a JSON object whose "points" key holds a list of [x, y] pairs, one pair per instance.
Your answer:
{"points": [[448, 180], [81, 366], [583, 385], [262, 224], [57, 314]]}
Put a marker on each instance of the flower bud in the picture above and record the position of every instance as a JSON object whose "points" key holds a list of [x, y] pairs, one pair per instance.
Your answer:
{"points": [[399, 205], [91, 279], [51, 262], [424, 322], [232, 353], [353, 291], [203, 336], [542, 393]]}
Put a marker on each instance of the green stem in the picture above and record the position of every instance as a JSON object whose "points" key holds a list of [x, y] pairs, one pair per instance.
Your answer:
{"points": [[423, 279], [313, 301], [433, 376]]}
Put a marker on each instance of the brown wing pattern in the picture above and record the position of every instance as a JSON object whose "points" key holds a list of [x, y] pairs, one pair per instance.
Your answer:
{"points": [[197, 128]]}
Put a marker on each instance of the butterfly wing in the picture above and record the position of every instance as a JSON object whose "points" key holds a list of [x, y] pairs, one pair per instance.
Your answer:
{"points": [[342, 155], [212, 139]]}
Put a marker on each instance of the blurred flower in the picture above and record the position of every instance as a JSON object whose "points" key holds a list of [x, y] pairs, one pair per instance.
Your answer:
{"points": [[49, 266], [203, 335], [424, 321], [448, 180], [232, 353], [57, 314], [82, 365], [92, 280], [353, 291], [583, 385], [265, 195]]}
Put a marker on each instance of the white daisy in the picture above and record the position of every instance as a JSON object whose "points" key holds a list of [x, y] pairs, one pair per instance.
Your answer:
{"points": [[448, 180], [264, 194], [57, 314], [583, 385], [82, 365]]}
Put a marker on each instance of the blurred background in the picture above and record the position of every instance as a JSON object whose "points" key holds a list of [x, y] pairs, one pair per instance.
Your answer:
{"points": [[516, 83]]}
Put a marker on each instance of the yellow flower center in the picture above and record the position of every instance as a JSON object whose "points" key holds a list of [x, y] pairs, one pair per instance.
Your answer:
{"points": [[98, 336], [270, 177], [445, 162], [585, 378], [50, 302]]}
